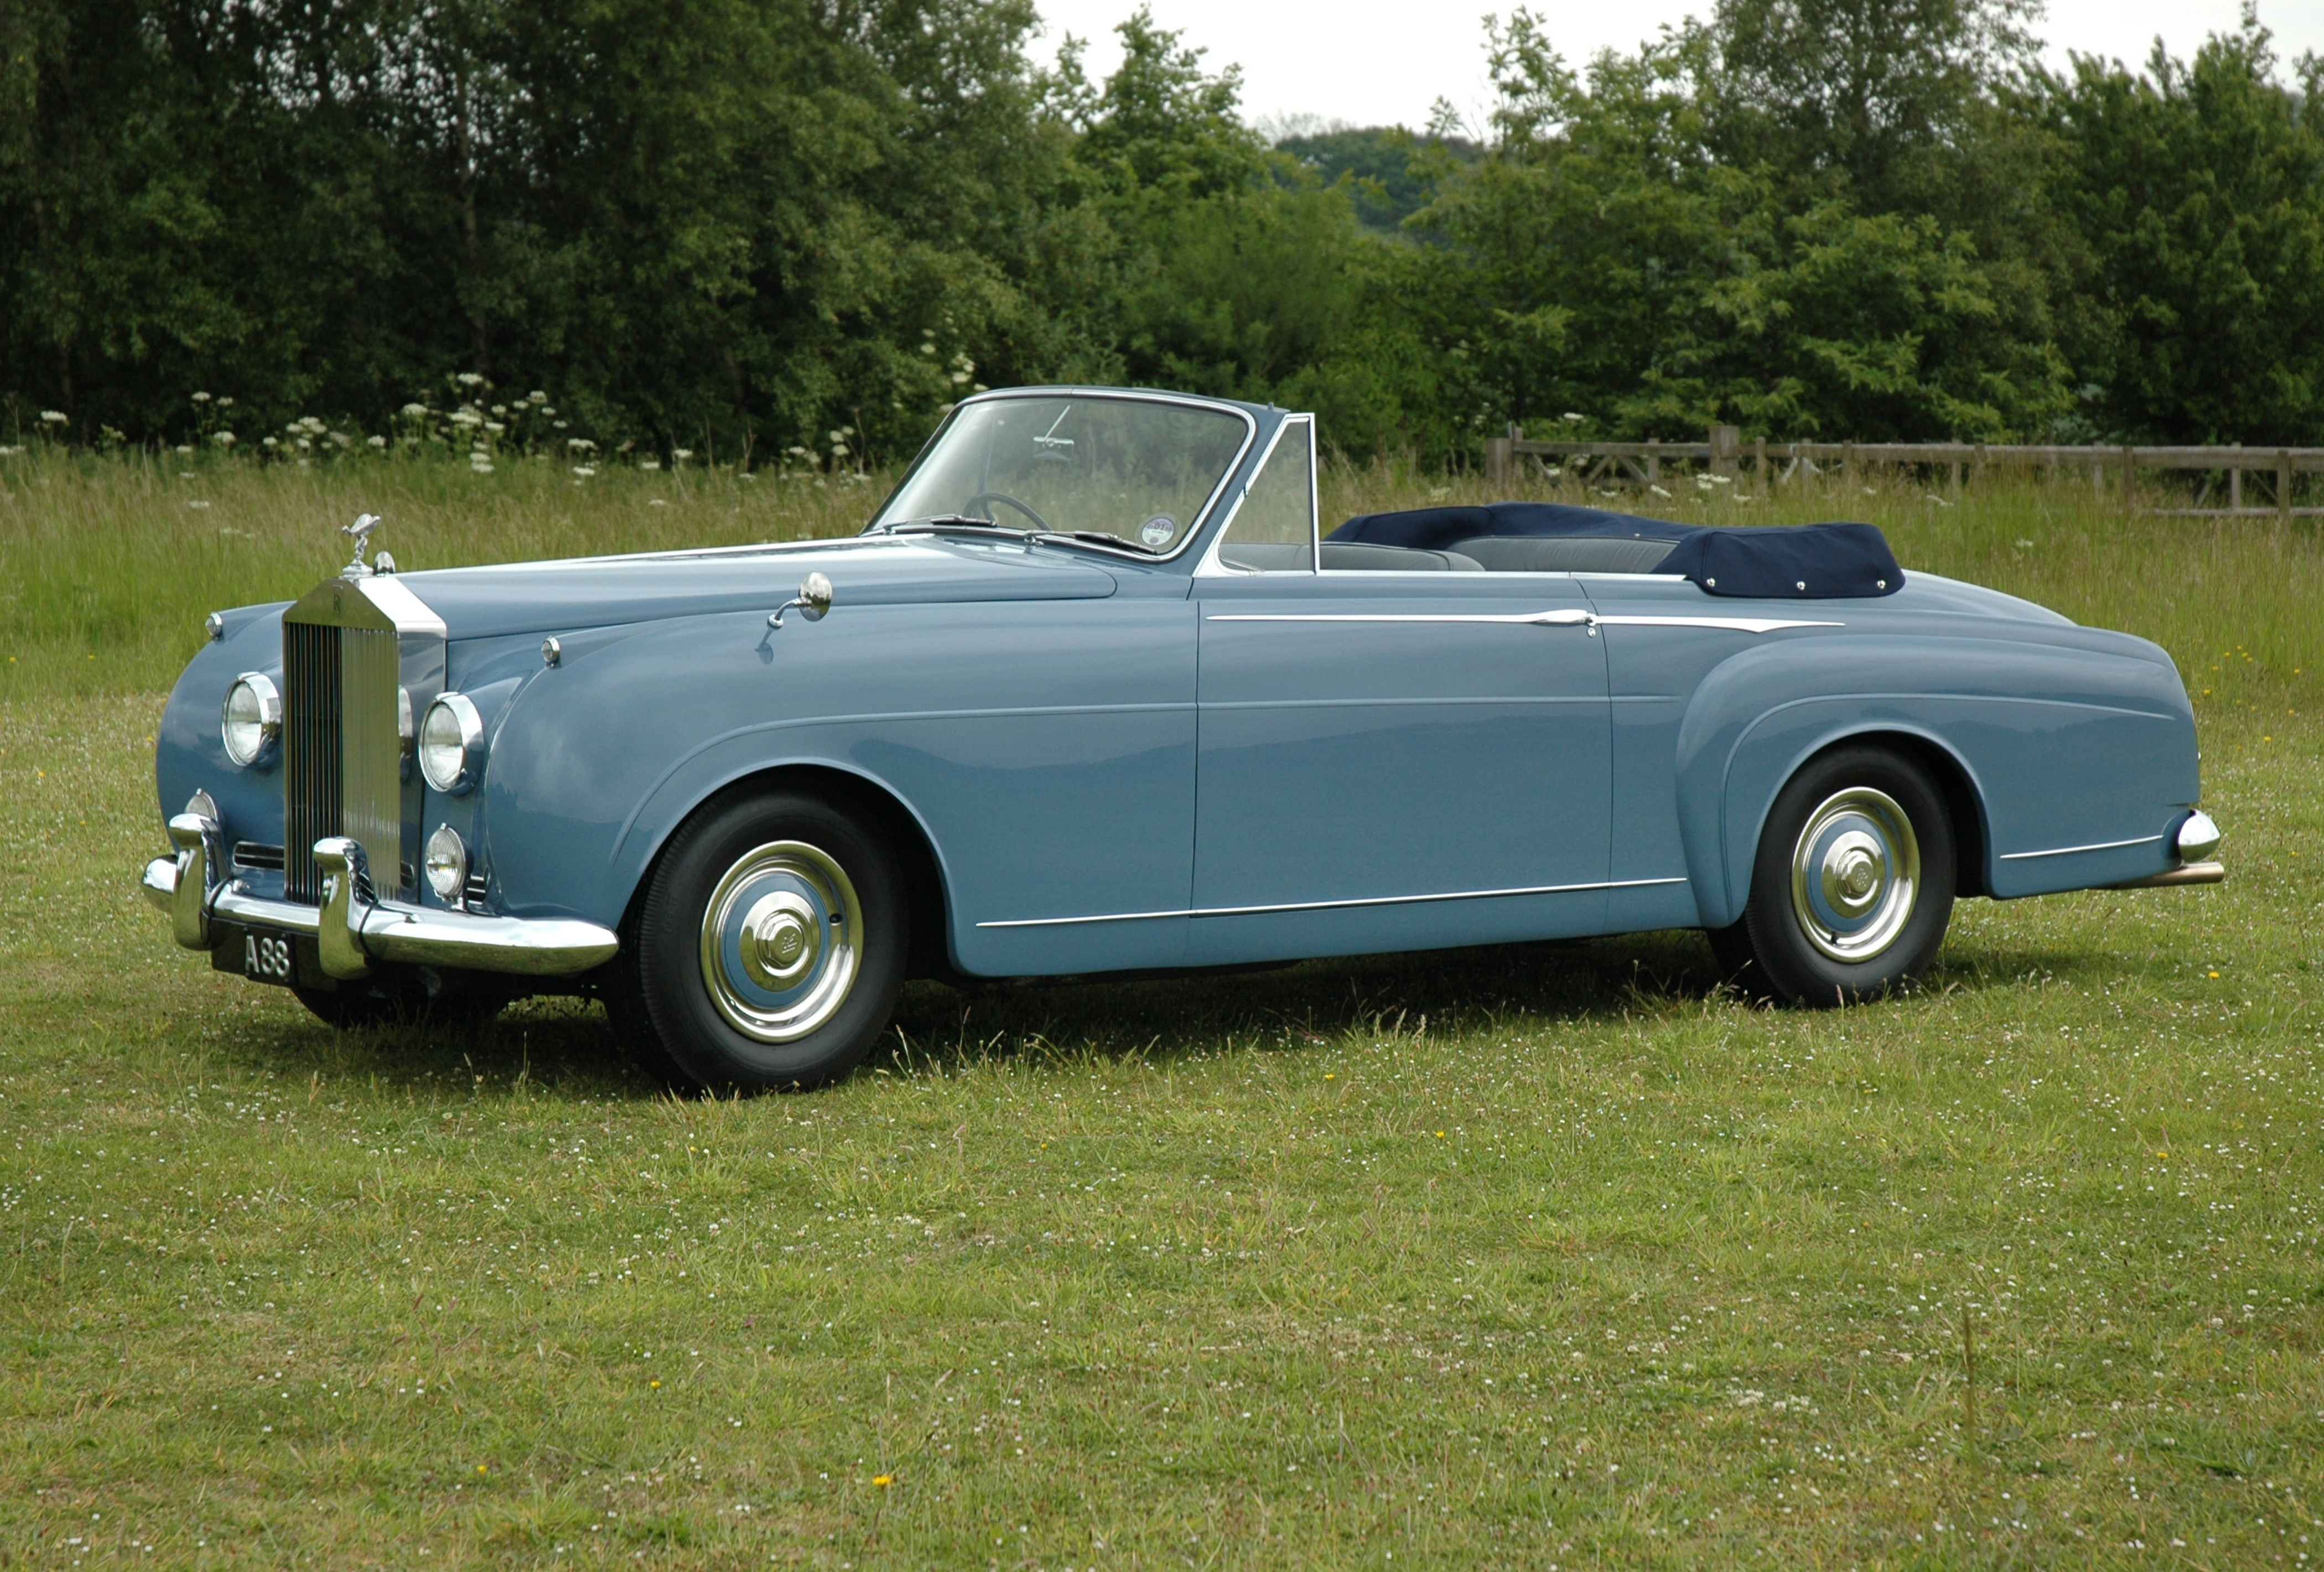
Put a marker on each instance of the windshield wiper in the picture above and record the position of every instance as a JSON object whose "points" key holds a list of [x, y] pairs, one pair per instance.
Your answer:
{"points": [[1094, 538], [957, 522]]}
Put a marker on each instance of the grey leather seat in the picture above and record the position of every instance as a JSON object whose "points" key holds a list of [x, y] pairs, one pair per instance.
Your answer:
{"points": [[1344, 557], [1358, 556], [1562, 554]]}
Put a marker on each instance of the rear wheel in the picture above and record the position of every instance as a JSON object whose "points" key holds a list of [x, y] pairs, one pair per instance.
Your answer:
{"points": [[768, 947], [1852, 887]]}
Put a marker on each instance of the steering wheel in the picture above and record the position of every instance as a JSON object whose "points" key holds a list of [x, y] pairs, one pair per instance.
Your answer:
{"points": [[985, 496]]}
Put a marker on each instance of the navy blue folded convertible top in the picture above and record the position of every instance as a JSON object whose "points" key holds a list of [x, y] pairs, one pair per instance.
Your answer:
{"points": [[1797, 562]]}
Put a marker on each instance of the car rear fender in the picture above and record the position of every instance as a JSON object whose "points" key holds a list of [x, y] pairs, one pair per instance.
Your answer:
{"points": [[2048, 747]]}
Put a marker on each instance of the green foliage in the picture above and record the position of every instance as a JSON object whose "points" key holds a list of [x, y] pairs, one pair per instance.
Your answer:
{"points": [[1381, 166], [2198, 189], [742, 226]]}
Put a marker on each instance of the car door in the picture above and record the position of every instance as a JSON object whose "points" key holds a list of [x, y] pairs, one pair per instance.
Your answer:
{"points": [[1404, 755]]}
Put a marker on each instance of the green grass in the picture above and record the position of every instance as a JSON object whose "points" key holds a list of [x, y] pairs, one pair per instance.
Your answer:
{"points": [[1497, 1258]]}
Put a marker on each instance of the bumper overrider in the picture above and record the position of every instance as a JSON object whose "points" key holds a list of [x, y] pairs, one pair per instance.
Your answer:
{"points": [[2194, 841], [353, 929]]}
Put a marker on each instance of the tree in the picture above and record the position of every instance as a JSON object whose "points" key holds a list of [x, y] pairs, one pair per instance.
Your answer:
{"points": [[2200, 188]]}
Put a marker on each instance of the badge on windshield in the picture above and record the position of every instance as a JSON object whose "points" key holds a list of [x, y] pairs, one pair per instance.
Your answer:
{"points": [[1157, 531]]}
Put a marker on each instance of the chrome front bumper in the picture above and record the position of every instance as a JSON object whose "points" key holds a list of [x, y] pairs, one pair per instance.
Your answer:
{"points": [[351, 929]]}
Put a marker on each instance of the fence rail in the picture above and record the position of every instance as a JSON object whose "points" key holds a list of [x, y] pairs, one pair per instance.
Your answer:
{"points": [[1771, 465]]}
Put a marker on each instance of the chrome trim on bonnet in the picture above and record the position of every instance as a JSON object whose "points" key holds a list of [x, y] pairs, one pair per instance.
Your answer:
{"points": [[1335, 905]]}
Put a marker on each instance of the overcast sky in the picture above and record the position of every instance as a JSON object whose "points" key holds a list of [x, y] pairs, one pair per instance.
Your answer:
{"points": [[1384, 62]]}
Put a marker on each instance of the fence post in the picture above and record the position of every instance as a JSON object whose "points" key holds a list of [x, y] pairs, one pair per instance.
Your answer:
{"points": [[2235, 487], [1759, 467], [1848, 465], [1726, 443], [2282, 485], [2129, 483], [1496, 461]]}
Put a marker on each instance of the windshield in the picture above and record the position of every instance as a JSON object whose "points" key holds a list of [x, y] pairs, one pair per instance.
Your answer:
{"points": [[1134, 469]]}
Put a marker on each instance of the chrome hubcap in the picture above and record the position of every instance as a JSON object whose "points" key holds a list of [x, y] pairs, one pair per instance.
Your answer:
{"points": [[1856, 875], [780, 941]]}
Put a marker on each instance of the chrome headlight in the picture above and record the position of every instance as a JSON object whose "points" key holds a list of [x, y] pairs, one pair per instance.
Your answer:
{"points": [[251, 721], [447, 865], [452, 744]]}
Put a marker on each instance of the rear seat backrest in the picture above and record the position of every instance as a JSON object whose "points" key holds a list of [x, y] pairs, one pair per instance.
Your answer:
{"points": [[1360, 557], [1562, 554]]}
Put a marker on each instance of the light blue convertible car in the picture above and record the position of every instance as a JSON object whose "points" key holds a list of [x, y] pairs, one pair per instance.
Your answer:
{"points": [[1094, 693]]}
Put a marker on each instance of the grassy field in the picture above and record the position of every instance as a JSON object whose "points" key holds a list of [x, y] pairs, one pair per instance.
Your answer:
{"points": [[1533, 1257]]}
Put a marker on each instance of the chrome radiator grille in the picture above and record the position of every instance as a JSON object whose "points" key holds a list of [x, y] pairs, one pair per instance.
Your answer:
{"points": [[341, 751], [312, 782]]}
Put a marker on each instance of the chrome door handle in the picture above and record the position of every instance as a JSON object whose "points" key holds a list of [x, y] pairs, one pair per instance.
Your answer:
{"points": [[1566, 617]]}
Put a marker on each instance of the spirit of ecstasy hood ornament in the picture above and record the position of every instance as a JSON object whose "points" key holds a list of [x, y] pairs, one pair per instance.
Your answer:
{"points": [[361, 530]]}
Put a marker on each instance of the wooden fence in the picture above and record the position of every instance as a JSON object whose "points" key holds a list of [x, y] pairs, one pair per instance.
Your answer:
{"points": [[1757, 468]]}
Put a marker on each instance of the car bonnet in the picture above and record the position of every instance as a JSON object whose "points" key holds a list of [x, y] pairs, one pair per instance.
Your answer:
{"points": [[521, 597]]}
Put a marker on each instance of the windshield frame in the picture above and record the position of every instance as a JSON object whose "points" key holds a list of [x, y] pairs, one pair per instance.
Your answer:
{"points": [[1186, 539]]}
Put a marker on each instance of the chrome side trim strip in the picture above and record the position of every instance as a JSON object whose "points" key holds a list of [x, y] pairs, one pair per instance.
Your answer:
{"points": [[1735, 625], [1563, 618], [1332, 905], [2103, 846]]}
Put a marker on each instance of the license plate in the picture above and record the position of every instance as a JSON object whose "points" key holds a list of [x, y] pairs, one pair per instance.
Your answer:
{"points": [[266, 958]]}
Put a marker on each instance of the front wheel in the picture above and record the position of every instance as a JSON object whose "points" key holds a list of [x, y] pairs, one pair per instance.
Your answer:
{"points": [[1852, 887], [769, 948]]}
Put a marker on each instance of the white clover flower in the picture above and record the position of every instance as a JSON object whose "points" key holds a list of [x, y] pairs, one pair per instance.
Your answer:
{"points": [[836, 437], [500, 409], [561, 424], [681, 453], [270, 442], [960, 379], [795, 452], [1570, 415], [12, 451], [580, 444], [226, 400], [55, 417], [375, 441], [537, 397], [223, 439], [649, 464], [584, 470], [927, 349], [980, 387], [306, 445], [182, 448], [470, 379], [414, 412], [494, 427], [480, 466], [201, 398]]}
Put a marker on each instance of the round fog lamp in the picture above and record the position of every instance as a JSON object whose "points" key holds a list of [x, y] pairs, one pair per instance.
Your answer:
{"points": [[452, 744], [447, 865], [250, 722]]}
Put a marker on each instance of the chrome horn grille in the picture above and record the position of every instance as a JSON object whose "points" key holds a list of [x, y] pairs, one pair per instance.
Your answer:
{"points": [[344, 656], [311, 772]]}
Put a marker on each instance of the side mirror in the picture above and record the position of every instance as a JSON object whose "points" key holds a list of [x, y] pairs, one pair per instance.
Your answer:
{"points": [[813, 601]]}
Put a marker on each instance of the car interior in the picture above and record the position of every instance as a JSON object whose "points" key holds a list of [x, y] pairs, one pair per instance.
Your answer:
{"points": [[1478, 554]]}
